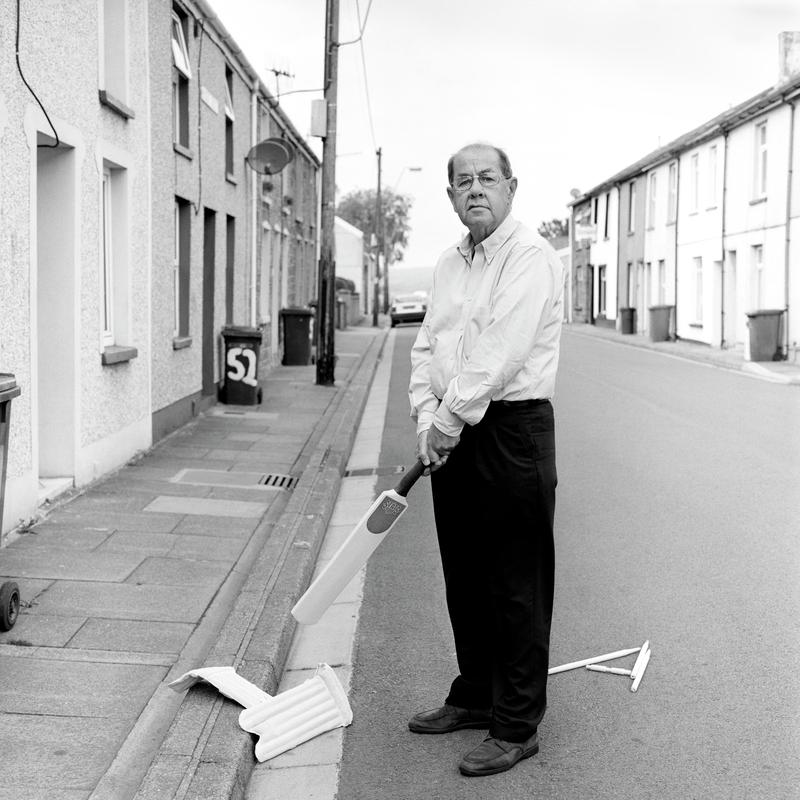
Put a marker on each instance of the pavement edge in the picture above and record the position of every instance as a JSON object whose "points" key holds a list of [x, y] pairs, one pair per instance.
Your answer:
{"points": [[205, 754]]}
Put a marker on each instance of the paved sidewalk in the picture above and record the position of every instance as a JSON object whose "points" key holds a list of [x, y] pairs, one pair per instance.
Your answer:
{"points": [[787, 372], [190, 555]]}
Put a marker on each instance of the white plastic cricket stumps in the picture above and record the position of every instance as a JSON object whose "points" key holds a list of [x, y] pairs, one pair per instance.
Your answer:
{"points": [[317, 705], [594, 660]]}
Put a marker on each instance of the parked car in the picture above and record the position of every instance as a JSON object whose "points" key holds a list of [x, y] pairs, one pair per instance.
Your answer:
{"points": [[409, 308]]}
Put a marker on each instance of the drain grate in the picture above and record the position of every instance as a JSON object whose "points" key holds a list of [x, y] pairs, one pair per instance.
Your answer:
{"points": [[278, 481], [358, 473], [237, 480]]}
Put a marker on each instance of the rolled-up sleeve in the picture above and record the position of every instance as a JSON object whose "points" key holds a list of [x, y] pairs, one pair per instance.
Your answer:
{"points": [[421, 397]]}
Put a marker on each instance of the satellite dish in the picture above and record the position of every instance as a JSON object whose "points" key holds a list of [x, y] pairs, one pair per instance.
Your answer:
{"points": [[270, 156]]}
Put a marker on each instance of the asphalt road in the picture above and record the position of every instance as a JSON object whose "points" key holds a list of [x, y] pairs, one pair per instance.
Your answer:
{"points": [[677, 521]]}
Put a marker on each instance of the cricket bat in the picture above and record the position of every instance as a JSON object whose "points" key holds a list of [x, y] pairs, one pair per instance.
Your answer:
{"points": [[356, 549]]}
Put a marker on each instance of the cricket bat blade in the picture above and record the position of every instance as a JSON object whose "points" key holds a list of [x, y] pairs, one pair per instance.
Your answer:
{"points": [[363, 540]]}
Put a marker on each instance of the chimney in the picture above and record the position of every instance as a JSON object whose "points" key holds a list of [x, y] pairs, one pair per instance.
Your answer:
{"points": [[788, 55]]}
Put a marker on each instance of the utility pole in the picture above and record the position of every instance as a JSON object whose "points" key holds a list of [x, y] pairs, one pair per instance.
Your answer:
{"points": [[327, 263], [378, 245]]}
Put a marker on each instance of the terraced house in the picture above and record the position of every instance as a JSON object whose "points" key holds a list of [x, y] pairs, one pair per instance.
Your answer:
{"points": [[133, 230], [700, 239]]}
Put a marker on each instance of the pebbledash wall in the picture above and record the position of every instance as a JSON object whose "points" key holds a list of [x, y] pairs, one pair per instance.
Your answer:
{"points": [[124, 251], [714, 228]]}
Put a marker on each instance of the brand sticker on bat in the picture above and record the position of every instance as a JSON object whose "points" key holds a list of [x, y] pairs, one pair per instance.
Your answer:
{"points": [[384, 516]]}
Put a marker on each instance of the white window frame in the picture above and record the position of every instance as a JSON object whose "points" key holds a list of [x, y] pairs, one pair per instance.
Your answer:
{"points": [[113, 60], [694, 182], [632, 207], [229, 95], [712, 176], [761, 163], [672, 192], [651, 200], [176, 274], [662, 281], [180, 52], [107, 232]]}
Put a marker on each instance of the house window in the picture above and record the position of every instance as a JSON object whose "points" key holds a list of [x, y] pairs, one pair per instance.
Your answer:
{"points": [[601, 289], [758, 276], [229, 120], [672, 192], [712, 176], [114, 245], [181, 268], [760, 183], [596, 203], [662, 282], [605, 223], [114, 58], [651, 201], [631, 207], [698, 290], [108, 261], [694, 183], [181, 75], [630, 289]]}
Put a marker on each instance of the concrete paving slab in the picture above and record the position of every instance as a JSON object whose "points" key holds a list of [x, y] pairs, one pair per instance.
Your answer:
{"points": [[112, 521], [74, 688], [209, 548], [108, 501], [58, 563], [29, 589], [175, 450], [179, 572], [127, 601], [132, 635], [55, 757], [152, 486], [146, 544], [258, 494], [206, 507], [174, 464], [74, 538], [44, 630], [203, 525], [246, 437]]}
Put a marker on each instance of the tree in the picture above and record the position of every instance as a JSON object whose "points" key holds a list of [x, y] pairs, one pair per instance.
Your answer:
{"points": [[554, 228], [358, 208]]}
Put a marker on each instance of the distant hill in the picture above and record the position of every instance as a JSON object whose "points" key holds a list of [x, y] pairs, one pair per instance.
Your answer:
{"points": [[407, 280]]}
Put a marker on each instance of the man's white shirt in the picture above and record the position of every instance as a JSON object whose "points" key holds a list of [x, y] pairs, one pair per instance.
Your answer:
{"points": [[492, 328]]}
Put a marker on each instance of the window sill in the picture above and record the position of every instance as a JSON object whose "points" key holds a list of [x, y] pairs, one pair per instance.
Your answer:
{"points": [[693, 213], [184, 151], [117, 354], [712, 208], [631, 233], [109, 101], [181, 342], [758, 200], [698, 325], [229, 176]]}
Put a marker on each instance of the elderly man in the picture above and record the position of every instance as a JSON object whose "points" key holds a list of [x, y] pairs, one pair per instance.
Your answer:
{"points": [[483, 373]]}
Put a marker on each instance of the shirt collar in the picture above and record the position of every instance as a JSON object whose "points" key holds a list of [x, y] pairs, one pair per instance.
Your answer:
{"points": [[491, 244]]}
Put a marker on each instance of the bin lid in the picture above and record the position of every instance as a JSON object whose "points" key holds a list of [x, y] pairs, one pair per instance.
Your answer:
{"points": [[764, 312], [296, 312], [7, 381], [241, 330]]}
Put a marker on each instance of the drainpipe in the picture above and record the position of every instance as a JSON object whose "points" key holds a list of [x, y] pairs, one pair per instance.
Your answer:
{"points": [[786, 276], [677, 213], [722, 241], [253, 207]]}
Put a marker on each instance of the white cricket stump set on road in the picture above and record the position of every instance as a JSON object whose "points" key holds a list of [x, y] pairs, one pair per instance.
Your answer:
{"points": [[318, 705]]}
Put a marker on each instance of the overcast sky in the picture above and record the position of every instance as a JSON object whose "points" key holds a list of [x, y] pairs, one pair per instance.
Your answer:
{"points": [[574, 90]]}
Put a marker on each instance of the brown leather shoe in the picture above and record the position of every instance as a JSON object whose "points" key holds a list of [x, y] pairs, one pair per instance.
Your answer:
{"points": [[496, 755], [449, 718]]}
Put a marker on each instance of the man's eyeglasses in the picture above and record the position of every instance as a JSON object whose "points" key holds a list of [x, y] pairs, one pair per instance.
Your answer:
{"points": [[463, 183]]}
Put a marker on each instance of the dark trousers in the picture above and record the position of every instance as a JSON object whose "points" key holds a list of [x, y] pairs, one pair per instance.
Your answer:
{"points": [[494, 502]]}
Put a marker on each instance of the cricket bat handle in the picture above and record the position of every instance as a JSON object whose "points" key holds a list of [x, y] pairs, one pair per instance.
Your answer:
{"points": [[410, 478]]}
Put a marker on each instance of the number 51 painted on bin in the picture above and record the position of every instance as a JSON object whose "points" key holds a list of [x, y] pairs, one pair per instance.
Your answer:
{"points": [[238, 371]]}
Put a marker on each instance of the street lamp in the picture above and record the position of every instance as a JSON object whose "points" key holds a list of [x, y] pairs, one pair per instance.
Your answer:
{"points": [[386, 249]]}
